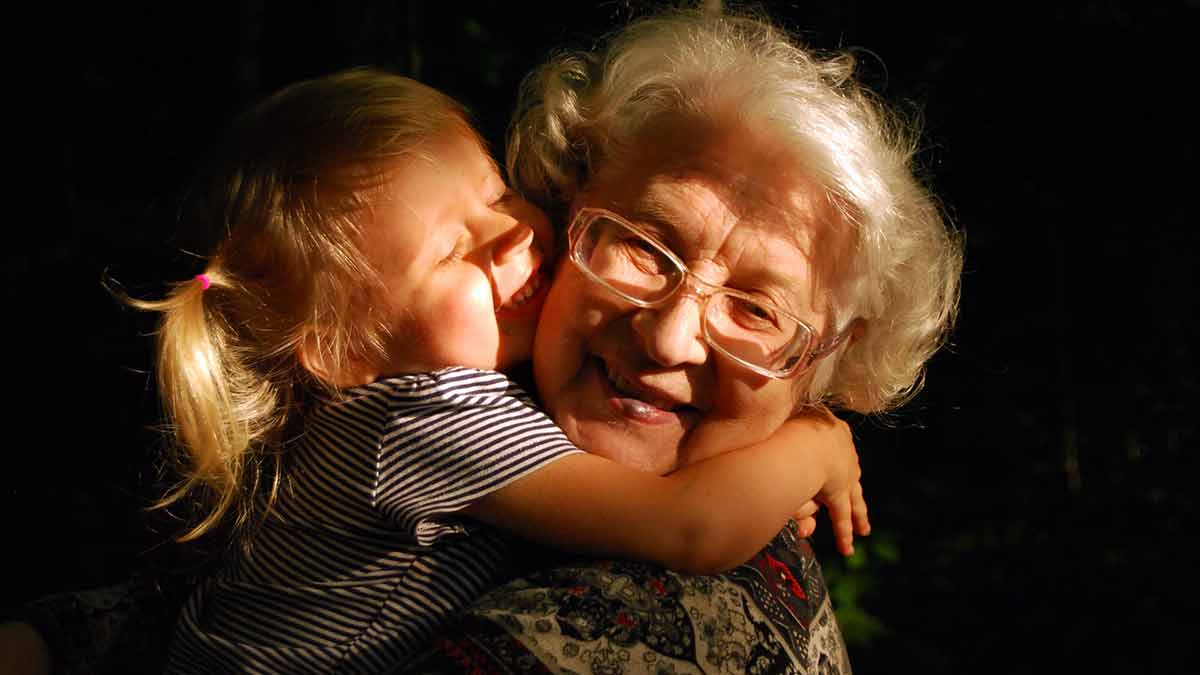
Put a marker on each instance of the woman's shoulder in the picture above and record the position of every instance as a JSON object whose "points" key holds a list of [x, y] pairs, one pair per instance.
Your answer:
{"points": [[774, 611]]}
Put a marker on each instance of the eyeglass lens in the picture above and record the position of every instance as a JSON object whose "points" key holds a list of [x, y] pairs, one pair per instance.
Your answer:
{"points": [[637, 268]]}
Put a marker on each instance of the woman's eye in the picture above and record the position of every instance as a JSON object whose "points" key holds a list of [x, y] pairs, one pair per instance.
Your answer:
{"points": [[754, 315], [641, 246], [643, 254]]}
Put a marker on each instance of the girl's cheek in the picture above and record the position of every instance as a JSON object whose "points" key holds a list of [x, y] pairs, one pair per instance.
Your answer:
{"points": [[462, 323], [458, 300]]}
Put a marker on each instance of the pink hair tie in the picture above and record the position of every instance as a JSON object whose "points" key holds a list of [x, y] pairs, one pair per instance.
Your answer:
{"points": [[204, 282]]}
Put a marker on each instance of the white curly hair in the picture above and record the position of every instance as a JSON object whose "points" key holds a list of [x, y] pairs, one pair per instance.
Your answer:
{"points": [[899, 273]]}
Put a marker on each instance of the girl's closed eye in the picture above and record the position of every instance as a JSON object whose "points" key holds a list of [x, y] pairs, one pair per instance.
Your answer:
{"points": [[458, 252], [503, 197]]}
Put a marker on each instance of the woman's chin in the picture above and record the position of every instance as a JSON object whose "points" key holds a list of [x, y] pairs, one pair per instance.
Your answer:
{"points": [[597, 421]]}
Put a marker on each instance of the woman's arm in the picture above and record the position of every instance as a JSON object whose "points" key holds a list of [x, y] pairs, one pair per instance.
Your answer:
{"points": [[704, 518]]}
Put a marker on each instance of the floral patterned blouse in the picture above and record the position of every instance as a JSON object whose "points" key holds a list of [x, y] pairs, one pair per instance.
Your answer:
{"points": [[770, 615]]}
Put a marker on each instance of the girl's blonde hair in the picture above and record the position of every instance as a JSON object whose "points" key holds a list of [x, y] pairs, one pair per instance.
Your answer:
{"points": [[584, 112], [288, 276]]}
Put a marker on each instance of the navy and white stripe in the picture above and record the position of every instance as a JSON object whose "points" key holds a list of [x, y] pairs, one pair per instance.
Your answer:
{"points": [[363, 556]]}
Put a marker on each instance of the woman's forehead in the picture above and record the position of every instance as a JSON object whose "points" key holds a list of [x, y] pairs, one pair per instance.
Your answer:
{"points": [[720, 172], [751, 229]]}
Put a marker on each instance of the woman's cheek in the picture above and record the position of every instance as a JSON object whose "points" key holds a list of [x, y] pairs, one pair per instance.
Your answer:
{"points": [[572, 315], [757, 404], [562, 295]]}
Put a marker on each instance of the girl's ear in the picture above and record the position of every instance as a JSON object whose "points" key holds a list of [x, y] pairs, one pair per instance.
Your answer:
{"points": [[353, 373], [308, 353]]}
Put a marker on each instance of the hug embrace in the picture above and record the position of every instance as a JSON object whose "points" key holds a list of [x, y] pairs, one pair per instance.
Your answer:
{"points": [[708, 239]]}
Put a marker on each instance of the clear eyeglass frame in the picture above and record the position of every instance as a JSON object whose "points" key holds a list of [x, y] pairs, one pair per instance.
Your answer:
{"points": [[806, 353]]}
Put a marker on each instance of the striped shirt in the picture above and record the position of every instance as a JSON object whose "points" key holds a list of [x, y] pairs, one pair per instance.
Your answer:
{"points": [[363, 558]]}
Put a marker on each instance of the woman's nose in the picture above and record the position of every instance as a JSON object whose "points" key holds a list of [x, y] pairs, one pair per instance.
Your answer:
{"points": [[671, 334]]}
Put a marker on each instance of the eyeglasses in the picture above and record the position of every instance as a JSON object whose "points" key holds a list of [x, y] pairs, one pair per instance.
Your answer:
{"points": [[637, 268]]}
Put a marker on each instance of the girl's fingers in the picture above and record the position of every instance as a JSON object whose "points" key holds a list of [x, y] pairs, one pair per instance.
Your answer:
{"points": [[809, 509], [807, 526], [805, 518], [841, 515], [858, 507]]}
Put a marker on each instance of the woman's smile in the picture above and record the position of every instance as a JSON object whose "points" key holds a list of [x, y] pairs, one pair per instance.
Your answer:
{"points": [[641, 403]]}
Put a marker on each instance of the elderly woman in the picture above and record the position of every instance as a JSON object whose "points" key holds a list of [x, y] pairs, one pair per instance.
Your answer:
{"points": [[745, 241]]}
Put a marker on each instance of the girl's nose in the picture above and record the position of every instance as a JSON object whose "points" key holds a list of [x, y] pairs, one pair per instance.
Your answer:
{"points": [[671, 334], [515, 257], [515, 242]]}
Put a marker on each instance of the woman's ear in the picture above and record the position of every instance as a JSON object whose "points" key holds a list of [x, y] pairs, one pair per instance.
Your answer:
{"points": [[317, 361]]}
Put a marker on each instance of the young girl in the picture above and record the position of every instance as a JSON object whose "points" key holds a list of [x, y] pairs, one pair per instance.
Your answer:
{"points": [[331, 380]]}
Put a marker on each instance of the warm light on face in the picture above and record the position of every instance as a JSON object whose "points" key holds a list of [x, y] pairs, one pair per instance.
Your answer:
{"points": [[461, 258], [753, 332]]}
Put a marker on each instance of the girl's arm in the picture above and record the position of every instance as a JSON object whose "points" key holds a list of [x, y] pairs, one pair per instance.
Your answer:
{"points": [[844, 501], [707, 517]]}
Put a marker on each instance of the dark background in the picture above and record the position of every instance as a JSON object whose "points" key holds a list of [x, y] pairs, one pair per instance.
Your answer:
{"points": [[1034, 507]]}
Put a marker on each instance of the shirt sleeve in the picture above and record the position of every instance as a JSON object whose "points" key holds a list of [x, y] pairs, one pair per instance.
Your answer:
{"points": [[473, 434]]}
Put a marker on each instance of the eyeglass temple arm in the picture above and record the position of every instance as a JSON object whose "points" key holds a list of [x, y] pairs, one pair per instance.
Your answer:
{"points": [[832, 343]]}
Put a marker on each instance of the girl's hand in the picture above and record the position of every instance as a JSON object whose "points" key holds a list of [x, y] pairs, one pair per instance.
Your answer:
{"points": [[842, 493], [848, 513], [806, 518]]}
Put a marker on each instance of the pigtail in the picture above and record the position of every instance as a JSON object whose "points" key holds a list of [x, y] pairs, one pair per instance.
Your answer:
{"points": [[224, 417]]}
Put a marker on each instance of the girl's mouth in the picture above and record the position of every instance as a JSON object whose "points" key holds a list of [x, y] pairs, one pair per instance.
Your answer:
{"points": [[526, 297]]}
